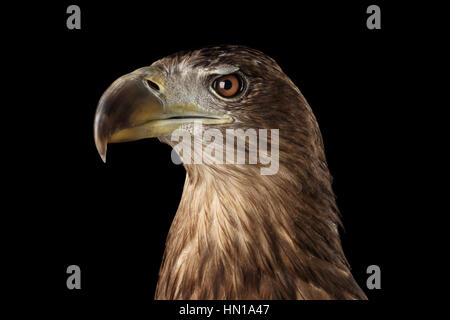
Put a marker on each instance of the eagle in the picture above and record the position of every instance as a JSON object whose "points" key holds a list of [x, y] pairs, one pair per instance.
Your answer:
{"points": [[237, 233]]}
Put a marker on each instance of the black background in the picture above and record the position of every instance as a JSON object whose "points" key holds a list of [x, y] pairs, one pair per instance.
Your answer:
{"points": [[112, 219]]}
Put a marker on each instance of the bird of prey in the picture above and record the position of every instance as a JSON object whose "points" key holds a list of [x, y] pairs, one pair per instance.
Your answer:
{"points": [[237, 234]]}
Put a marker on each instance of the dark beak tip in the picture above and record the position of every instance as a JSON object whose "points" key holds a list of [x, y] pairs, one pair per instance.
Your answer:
{"points": [[101, 144], [101, 135], [101, 149]]}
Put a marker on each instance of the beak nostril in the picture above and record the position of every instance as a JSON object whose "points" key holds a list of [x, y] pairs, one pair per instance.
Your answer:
{"points": [[153, 85]]}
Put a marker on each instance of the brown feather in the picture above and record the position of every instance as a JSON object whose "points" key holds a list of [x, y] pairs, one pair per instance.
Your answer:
{"points": [[240, 235]]}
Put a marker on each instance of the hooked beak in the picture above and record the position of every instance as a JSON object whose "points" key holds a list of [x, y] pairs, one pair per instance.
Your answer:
{"points": [[134, 107]]}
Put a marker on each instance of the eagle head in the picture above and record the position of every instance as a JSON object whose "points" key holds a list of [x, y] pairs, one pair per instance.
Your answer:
{"points": [[227, 87], [237, 234]]}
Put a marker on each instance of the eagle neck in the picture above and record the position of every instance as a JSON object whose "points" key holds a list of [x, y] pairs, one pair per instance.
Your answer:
{"points": [[248, 236]]}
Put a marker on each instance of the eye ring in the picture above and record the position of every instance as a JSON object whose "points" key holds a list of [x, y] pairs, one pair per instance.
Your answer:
{"points": [[228, 86]]}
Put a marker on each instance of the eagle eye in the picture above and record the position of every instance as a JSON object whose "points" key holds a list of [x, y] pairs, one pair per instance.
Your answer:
{"points": [[228, 86]]}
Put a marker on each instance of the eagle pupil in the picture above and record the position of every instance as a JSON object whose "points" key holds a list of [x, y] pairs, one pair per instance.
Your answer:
{"points": [[226, 84]]}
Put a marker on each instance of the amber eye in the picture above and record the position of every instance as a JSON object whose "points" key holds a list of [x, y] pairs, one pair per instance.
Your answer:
{"points": [[228, 86]]}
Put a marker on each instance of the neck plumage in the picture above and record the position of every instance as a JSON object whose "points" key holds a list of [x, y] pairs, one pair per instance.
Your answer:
{"points": [[240, 235]]}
